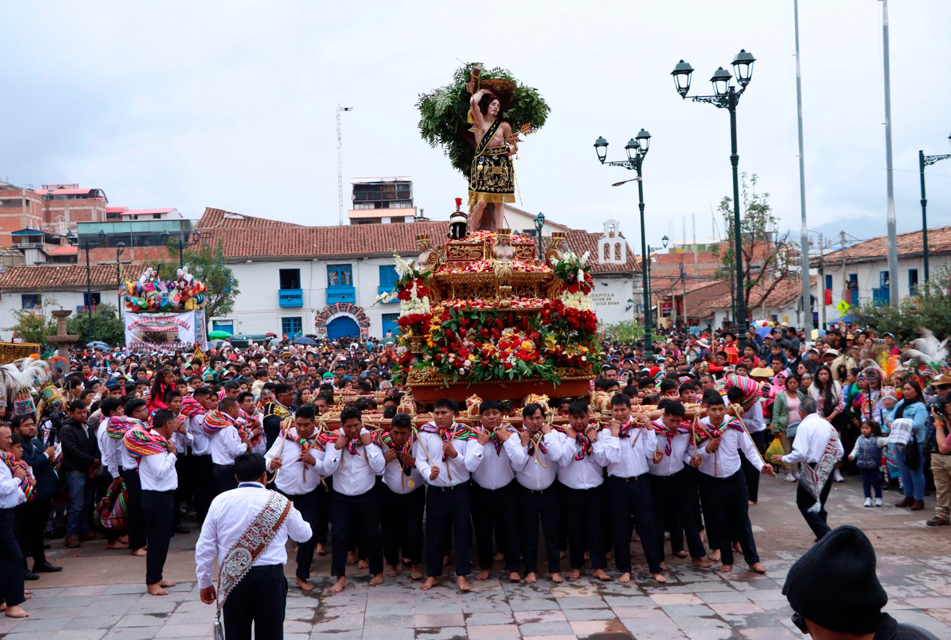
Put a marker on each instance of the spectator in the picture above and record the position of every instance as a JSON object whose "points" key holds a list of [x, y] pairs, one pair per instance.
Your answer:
{"points": [[80, 462]]}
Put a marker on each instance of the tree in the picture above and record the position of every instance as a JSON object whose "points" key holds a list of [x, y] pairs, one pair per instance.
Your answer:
{"points": [[930, 308], [33, 326], [107, 326], [763, 248], [207, 264]]}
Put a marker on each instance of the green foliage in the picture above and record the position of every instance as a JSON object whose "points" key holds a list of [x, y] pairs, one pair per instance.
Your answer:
{"points": [[443, 113], [106, 325], [931, 309], [207, 264], [32, 326]]}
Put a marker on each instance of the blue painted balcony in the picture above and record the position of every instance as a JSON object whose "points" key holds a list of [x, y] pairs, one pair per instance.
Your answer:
{"points": [[341, 293], [291, 297]]}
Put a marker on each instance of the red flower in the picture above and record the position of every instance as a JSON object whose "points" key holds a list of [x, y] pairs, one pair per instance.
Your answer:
{"points": [[508, 365]]}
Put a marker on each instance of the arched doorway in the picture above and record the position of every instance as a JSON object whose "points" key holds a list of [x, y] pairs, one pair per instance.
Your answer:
{"points": [[342, 326]]}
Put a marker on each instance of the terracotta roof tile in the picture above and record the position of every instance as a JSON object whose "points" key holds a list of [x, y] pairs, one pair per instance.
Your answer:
{"points": [[909, 246], [64, 276]]}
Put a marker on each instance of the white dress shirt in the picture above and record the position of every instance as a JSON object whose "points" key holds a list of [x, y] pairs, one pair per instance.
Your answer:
{"points": [[753, 418], [157, 471], [459, 467], [10, 492], [182, 440], [291, 479], [537, 471], [119, 456], [586, 473], [628, 457], [397, 481], [680, 454], [108, 454], [494, 469], [229, 516], [725, 461], [226, 445], [811, 440], [201, 441], [353, 475]]}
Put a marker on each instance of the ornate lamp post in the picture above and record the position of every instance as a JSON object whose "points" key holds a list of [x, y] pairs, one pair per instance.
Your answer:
{"points": [[926, 161], [181, 247], [539, 226], [725, 96], [119, 250], [636, 149]]}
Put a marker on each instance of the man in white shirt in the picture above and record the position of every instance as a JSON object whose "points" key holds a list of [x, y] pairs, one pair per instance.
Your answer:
{"points": [[201, 465], [11, 558], [296, 459], [403, 499], [259, 599], [628, 448], [127, 465], [756, 425], [445, 460], [493, 494], [354, 462], [581, 472], [227, 444], [817, 448], [723, 486]]}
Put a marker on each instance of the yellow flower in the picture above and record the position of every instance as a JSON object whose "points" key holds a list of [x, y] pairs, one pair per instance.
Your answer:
{"points": [[472, 357], [527, 345]]}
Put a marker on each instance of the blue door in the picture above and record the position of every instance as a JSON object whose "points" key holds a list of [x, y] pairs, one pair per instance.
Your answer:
{"points": [[390, 324], [342, 327]]}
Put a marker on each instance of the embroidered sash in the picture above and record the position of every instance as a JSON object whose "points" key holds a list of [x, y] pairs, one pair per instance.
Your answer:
{"points": [[192, 408], [488, 137], [813, 479], [141, 443], [117, 426], [215, 421], [7, 458]]}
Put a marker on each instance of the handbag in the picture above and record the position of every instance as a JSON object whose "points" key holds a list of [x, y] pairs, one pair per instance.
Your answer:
{"points": [[912, 455]]}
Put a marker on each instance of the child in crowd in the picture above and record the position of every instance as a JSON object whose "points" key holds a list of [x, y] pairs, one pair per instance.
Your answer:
{"points": [[867, 455]]}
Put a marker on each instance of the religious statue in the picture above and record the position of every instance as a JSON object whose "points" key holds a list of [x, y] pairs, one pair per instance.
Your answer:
{"points": [[428, 256]]}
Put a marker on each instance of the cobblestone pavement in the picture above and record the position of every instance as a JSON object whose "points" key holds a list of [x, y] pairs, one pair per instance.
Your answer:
{"points": [[95, 597]]}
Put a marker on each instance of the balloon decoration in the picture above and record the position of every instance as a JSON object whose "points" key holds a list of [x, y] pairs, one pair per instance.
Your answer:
{"points": [[150, 293]]}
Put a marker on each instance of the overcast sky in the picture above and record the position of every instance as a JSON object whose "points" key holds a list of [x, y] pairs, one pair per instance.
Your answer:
{"points": [[232, 104]]}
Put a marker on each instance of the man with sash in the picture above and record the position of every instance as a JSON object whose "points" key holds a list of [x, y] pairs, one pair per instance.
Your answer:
{"points": [[247, 530], [723, 485], [13, 481], [295, 460], [250, 423], [156, 456], [276, 411], [493, 493], [354, 462], [120, 419], [581, 473], [673, 500], [182, 440], [629, 446], [37, 511], [194, 410], [111, 460], [817, 448], [403, 498], [227, 443], [445, 461]]}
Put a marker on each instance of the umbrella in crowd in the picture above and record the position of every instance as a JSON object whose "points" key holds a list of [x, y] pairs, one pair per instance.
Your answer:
{"points": [[219, 335], [304, 340], [98, 344]]}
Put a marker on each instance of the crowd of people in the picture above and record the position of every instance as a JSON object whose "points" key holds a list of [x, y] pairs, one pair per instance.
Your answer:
{"points": [[133, 447]]}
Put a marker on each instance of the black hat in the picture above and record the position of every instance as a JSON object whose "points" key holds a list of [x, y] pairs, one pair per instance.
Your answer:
{"points": [[834, 583]]}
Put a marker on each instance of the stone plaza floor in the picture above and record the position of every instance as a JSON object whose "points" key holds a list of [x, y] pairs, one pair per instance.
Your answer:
{"points": [[100, 595]]}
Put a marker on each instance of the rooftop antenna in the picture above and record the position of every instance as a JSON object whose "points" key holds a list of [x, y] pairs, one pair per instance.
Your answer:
{"points": [[340, 164]]}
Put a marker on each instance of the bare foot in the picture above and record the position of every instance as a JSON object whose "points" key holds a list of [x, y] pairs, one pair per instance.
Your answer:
{"points": [[752, 503], [714, 555], [304, 584], [514, 577], [394, 571], [376, 580], [531, 578], [429, 583], [737, 547], [156, 590], [659, 577], [321, 549], [483, 575], [363, 565], [499, 557], [682, 554], [166, 583], [339, 585], [463, 583], [758, 568], [625, 577], [16, 611], [663, 566], [600, 574], [700, 562], [415, 573], [445, 560], [574, 574], [556, 578], [115, 544], [727, 568], [124, 539], [562, 554], [139, 553], [351, 557]]}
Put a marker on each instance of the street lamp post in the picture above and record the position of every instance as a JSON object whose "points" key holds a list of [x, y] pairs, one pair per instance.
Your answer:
{"points": [[727, 97], [636, 148], [119, 251], [539, 226], [181, 248], [926, 161]]}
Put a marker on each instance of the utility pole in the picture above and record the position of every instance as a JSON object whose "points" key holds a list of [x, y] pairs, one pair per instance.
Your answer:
{"points": [[845, 282], [804, 237], [822, 285], [340, 110], [683, 283], [889, 173]]}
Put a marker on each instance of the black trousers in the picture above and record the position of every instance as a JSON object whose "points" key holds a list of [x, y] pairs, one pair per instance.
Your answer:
{"points": [[184, 470], [309, 506], [323, 519], [448, 509], [494, 520], [402, 525], [581, 509], [135, 518], [671, 499], [726, 509], [157, 506], [204, 487], [30, 532], [260, 600], [804, 500], [631, 501], [533, 505], [360, 514], [223, 478], [749, 471], [11, 562]]}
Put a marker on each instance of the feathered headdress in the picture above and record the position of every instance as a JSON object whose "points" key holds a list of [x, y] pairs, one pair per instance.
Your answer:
{"points": [[889, 365], [928, 351]]}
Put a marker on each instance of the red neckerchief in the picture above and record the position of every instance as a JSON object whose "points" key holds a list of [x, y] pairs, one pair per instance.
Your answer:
{"points": [[669, 436], [536, 439]]}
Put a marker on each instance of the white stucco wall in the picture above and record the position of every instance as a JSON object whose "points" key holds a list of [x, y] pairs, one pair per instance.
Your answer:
{"points": [[614, 299], [11, 301]]}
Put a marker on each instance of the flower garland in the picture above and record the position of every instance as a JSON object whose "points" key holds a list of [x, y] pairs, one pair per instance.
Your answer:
{"points": [[577, 282]]}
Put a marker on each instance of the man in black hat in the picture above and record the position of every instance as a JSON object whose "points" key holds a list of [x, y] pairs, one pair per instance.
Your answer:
{"points": [[835, 594]]}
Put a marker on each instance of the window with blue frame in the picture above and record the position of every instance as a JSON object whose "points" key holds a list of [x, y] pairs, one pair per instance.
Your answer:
{"points": [[388, 278], [390, 321], [340, 284], [828, 281], [292, 327], [881, 295], [912, 281], [223, 325], [31, 301]]}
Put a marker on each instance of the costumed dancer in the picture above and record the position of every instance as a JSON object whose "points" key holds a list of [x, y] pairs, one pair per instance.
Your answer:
{"points": [[183, 440], [120, 420], [111, 459], [354, 461], [494, 498], [403, 498], [194, 409], [247, 530], [227, 443], [581, 473], [296, 459], [276, 411], [13, 481], [445, 461]]}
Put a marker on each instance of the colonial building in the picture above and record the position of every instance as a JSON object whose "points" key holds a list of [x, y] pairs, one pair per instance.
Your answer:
{"points": [[53, 208]]}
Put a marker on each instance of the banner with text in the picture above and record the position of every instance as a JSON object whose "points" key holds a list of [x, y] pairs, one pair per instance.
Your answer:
{"points": [[165, 331]]}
